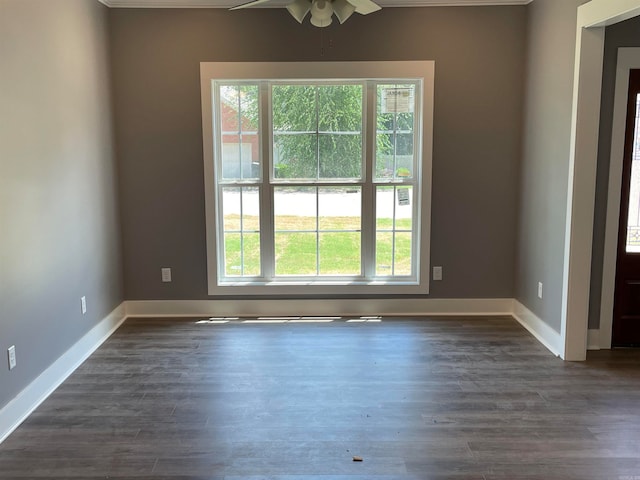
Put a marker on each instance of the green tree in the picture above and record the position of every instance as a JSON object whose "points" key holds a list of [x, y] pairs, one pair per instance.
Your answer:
{"points": [[318, 131]]}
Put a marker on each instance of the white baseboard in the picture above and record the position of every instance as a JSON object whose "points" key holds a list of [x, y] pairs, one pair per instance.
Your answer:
{"points": [[302, 307], [539, 329], [18, 409]]}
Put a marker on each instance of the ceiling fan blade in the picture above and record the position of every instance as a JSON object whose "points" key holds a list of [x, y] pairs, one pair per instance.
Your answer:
{"points": [[343, 9], [299, 9], [255, 3], [364, 7]]}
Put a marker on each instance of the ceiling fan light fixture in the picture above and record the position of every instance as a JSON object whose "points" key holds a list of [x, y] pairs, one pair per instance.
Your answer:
{"points": [[343, 10], [299, 9], [321, 12]]}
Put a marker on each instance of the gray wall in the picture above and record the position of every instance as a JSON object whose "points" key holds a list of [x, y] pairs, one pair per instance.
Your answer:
{"points": [[551, 38], [624, 34], [479, 54], [59, 235]]}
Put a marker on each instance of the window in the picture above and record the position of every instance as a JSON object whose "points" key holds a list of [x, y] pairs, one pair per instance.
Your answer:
{"points": [[317, 177], [633, 217]]}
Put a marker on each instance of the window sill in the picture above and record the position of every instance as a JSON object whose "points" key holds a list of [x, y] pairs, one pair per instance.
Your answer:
{"points": [[407, 287]]}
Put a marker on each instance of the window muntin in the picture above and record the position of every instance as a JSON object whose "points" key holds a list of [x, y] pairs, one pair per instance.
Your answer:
{"points": [[238, 113], [317, 231], [418, 73], [241, 227], [317, 131], [394, 230], [318, 137], [395, 132]]}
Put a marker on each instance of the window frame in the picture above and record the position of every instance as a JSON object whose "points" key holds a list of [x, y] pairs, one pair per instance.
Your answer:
{"points": [[381, 72]]}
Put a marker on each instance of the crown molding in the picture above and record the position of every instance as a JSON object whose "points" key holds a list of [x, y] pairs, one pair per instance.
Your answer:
{"points": [[281, 3]]}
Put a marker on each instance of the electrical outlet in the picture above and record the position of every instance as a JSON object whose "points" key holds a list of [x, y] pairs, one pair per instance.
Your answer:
{"points": [[539, 289], [437, 273], [83, 304], [11, 353], [166, 274]]}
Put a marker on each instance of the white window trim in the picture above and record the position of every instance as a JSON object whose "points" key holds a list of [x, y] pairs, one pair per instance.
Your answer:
{"points": [[423, 70]]}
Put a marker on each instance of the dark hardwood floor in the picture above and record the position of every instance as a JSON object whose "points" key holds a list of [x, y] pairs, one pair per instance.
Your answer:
{"points": [[432, 398]]}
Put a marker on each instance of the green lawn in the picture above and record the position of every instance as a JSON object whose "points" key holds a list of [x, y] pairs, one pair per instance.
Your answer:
{"points": [[296, 252]]}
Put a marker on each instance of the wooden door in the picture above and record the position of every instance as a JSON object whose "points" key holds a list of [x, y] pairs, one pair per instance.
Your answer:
{"points": [[626, 311]]}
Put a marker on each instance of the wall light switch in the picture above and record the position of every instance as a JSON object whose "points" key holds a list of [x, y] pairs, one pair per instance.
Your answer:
{"points": [[539, 289], [11, 353], [83, 305], [437, 273], [166, 275]]}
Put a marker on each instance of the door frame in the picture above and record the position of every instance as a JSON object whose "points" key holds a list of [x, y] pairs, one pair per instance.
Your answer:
{"points": [[628, 59], [593, 18]]}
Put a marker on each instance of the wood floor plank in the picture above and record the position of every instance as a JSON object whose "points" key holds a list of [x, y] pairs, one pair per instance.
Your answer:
{"points": [[417, 399]]}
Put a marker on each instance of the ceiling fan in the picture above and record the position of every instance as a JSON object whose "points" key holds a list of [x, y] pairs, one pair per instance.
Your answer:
{"points": [[321, 10]]}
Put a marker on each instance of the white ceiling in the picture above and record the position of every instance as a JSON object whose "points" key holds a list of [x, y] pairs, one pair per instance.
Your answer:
{"points": [[280, 3]]}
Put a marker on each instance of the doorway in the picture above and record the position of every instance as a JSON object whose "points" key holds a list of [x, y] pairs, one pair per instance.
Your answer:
{"points": [[626, 312]]}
